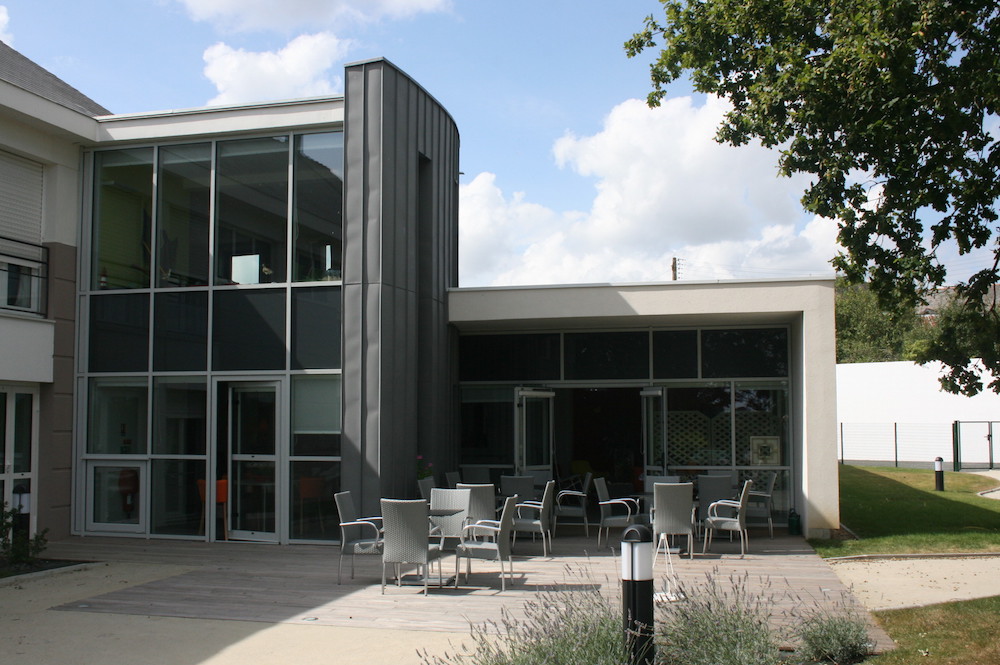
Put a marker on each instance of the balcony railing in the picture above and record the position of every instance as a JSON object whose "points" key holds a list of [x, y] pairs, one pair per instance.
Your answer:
{"points": [[24, 276]]}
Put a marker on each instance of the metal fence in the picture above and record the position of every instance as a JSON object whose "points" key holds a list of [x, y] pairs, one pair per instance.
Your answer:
{"points": [[962, 445]]}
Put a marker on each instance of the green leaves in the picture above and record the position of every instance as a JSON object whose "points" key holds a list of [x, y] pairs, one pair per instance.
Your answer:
{"points": [[886, 103]]}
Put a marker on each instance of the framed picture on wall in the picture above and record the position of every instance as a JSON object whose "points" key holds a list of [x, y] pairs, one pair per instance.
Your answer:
{"points": [[765, 450]]}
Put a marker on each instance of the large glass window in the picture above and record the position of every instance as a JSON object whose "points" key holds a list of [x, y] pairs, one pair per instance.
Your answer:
{"points": [[316, 410], [179, 416], [316, 328], [675, 354], [761, 415], [117, 417], [119, 332], [116, 494], [123, 206], [317, 213], [488, 426], [176, 508], [527, 357], [252, 200], [184, 194], [180, 331], [248, 330], [698, 426], [744, 353], [617, 355]]}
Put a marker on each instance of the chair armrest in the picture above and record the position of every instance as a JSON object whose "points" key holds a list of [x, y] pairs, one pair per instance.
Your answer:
{"points": [[725, 503], [481, 525], [628, 503], [530, 505], [569, 494], [364, 523]]}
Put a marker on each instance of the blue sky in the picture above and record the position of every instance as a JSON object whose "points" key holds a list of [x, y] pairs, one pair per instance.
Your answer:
{"points": [[568, 177]]}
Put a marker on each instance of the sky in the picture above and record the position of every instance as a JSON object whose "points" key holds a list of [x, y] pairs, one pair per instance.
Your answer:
{"points": [[568, 177]]}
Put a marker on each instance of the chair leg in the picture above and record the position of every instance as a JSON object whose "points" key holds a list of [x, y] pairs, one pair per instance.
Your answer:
{"points": [[340, 568], [383, 578]]}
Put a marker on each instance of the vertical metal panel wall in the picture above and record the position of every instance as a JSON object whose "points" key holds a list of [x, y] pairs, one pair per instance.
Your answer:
{"points": [[400, 257]]}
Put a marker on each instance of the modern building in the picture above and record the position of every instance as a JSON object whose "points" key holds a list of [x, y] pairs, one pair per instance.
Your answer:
{"points": [[215, 318]]}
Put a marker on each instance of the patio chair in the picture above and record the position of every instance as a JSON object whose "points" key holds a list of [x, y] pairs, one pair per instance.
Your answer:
{"points": [[673, 515], [761, 503], [425, 485], [357, 535], [521, 486], [729, 515], [405, 539], [536, 517], [450, 526], [452, 479], [573, 503], [482, 501], [611, 516], [488, 540], [712, 488]]}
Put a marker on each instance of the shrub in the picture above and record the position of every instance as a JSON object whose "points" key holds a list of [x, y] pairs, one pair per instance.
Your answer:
{"points": [[569, 625], [714, 625], [16, 547], [839, 638]]}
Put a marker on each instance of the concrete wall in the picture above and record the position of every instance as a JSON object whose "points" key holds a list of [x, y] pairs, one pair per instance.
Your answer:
{"points": [[400, 257]]}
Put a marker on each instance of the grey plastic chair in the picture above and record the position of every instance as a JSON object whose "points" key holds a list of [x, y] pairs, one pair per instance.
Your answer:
{"points": [[536, 517], [357, 535], [729, 515], [425, 484], [482, 501], [450, 526], [573, 503], [673, 515], [521, 486], [712, 488], [611, 515], [762, 503], [405, 538], [488, 540]]}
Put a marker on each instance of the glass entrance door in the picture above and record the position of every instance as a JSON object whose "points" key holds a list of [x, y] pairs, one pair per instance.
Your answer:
{"points": [[654, 433], [533, 448], [253, 486]]}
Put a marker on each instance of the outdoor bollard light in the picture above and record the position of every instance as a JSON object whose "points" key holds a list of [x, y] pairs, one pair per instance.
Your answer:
{"points": [[938, 474], [637, 593]]}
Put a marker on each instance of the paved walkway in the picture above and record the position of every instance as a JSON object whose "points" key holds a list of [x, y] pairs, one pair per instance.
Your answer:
{"points": [[173, 602]]}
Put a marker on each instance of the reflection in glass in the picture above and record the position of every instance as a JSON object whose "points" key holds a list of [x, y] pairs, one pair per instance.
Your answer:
{"points": [[116, 494], [487, 421], [184, 199], [252, 196], [179, 416], [117, 417], [698, 426], [119, 332], [602, 355], [314, 515], [175, 505], [253, 419], [318, 206], [123, 204], [316, 413], [748, 352]]}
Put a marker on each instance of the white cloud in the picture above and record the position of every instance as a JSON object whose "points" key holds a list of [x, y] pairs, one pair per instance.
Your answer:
{"points": [[663, 188], [291, 14], [5, 36], [300, 69]]}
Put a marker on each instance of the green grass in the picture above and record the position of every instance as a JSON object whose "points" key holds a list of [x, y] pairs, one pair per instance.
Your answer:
{"points": [[962, 633], [897, 511]]}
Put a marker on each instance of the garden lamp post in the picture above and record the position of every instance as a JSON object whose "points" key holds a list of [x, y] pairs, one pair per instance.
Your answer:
{"points": [[637, 593]]}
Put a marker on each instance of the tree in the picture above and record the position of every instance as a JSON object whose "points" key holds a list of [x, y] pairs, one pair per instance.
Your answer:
{"points": [[888, 105], [868, 333]]}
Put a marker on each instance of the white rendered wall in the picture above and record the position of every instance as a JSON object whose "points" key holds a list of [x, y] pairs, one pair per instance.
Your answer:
{"points": [[904, 392]]}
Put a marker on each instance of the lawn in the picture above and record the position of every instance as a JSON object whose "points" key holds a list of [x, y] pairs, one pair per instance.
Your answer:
{"points": [[897, 511]]}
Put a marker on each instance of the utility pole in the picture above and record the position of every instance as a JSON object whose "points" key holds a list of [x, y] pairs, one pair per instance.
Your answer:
{"points": [[673, 268]]}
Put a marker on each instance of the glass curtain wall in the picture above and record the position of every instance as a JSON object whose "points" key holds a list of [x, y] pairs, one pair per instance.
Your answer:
{"points": [[160, 329]]}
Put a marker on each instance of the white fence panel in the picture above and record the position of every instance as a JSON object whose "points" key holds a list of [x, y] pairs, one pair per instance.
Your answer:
{"points": [[868, 442], [920, 443], [975, 445]]}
